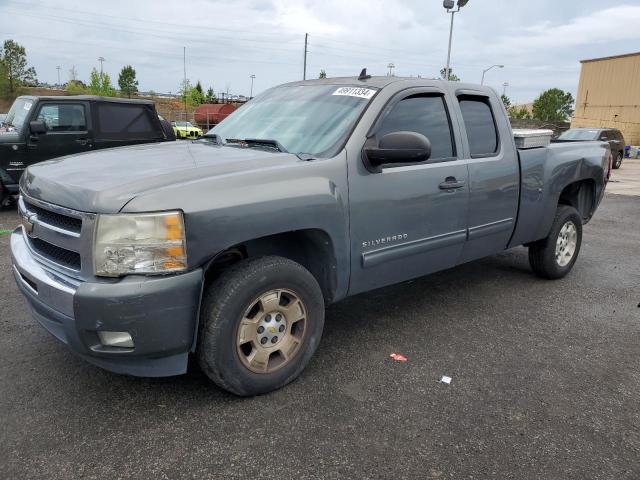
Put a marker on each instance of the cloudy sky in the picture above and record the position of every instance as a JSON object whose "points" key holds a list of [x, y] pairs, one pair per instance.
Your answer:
{"points": [[539, 42]]}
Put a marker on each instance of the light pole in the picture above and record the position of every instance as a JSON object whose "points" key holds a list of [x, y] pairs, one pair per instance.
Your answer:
{"points": [[391, 66], [101, 60], [449, 5], [251, 94], [487, 69], [58, 68]]}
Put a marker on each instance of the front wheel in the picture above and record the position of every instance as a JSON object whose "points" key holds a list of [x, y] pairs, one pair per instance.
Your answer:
{"points": [[261, 322], [617, 163], [553, 257]]}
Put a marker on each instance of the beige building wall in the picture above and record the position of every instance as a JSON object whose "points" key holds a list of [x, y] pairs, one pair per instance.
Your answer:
{"points": [[609, 95]]}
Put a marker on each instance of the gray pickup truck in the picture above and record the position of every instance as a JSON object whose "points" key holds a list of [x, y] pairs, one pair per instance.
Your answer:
{"points": [[231, 246]]}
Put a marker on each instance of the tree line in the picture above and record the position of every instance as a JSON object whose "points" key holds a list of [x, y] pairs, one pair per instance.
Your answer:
{"points": [[553, 105]]}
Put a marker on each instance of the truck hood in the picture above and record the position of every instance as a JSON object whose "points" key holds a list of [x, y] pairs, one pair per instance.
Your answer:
{"points": [[105, 181]]}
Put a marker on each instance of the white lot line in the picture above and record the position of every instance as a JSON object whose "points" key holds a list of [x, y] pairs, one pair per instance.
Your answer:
{"points": [[626, 180]]}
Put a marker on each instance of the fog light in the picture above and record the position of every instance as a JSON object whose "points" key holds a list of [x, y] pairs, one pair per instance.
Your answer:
{"points": [[116, 339]]}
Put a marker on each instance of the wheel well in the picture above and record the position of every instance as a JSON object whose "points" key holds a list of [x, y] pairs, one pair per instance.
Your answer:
{"points": [[581, 196], [310, 248]]}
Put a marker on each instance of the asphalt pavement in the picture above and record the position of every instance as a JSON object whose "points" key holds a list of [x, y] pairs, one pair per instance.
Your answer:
{"points": [[545, 385]]}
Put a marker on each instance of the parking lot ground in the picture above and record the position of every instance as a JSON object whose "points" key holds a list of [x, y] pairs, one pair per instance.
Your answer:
{"points": [[626, 180], [546, 382]]}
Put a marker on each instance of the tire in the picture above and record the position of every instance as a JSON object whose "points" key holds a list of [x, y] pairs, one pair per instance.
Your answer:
{"points": [[549, 258], [617, 163], [230, 315]]}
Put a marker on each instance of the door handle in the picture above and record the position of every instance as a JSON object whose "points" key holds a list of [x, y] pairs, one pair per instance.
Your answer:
{"points": [[84, 141], [451, 184]]}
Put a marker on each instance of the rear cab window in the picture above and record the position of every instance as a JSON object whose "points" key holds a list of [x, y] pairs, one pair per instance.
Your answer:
{"points": [[121, 121], [480, 124]]}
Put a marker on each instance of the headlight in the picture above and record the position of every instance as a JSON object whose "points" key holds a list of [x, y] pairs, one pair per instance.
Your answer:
{"points": [[139, 243]]}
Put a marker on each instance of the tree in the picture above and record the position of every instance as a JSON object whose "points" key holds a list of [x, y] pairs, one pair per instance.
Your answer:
{"points": [[323, 74], [506, 101], [192, 95], [16, 73], [100, 84], [210, 97], [553, 105], [521, 112], [452, 76], [75, 87], [127, 81]]}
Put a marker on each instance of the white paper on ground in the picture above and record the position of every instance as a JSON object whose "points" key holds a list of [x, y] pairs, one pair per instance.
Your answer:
{"points": [[446, 380]]}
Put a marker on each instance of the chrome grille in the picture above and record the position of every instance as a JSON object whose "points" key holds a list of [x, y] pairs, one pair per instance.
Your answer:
{"points": [[55, 219], [58, 237], [59, 255]]}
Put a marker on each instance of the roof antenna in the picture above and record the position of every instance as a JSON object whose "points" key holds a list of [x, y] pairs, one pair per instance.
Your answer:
{"points": [[363, 75]]}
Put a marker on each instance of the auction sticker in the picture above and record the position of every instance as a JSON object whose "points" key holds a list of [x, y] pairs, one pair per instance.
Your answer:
{"points": [[355, 92]]}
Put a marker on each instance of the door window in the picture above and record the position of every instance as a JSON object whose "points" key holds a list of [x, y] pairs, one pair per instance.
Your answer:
{"points": [[480, 125], [426, 115], [63, 117]]}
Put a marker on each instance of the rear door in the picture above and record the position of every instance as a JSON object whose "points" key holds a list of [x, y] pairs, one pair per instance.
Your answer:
{"points": [[68, 130], [404, 221], [120, 124], [494, 174]]}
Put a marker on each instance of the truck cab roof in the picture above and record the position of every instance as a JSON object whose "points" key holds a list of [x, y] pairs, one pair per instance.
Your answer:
{"points": [[407, 82], [88, 98]]}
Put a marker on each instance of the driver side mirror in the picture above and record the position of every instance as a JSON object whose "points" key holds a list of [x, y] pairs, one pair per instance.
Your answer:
{"points": [[38, 127], [398, 148]]}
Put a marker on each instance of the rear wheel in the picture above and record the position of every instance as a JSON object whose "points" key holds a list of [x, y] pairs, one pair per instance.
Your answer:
{"points": [[553, 257], [261, 322], [617, 163]]}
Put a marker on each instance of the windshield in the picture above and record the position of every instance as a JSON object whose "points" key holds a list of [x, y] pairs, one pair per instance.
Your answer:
{"points": [[18, 113], [304, 119], [183, 124], [576, 134]]}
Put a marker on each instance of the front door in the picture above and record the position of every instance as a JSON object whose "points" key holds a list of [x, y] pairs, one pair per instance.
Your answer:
{"points": [[411, 220], [68, 131]]}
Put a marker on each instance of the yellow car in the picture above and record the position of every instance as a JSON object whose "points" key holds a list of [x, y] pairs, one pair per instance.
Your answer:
{"points": [[186, 130]]}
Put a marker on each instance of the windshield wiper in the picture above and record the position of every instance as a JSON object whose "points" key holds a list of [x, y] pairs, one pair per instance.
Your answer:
{"points": [[258, 142]]}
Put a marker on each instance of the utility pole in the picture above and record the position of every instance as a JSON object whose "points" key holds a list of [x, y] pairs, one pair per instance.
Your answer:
{"points": [[184, 87], [251, 94], [391, 66], [306, 42], [101, 60], [504, 88], [58, 68]]}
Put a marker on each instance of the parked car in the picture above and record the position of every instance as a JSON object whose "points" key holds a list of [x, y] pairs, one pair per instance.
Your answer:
{"points": [[611, 135], [42, 128], [231, 246], [186, 130]]}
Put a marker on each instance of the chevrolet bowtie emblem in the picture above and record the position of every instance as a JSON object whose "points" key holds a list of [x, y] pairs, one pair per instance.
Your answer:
{"points": [[272, 329], [27, 224]]}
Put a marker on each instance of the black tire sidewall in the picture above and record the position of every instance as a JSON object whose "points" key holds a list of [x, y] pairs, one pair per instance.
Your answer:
{"points": [[565, 214], [217, 346], [618, 161]]}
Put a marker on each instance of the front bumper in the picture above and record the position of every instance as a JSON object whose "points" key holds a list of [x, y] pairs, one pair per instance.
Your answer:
{"points": [[160, 313]]}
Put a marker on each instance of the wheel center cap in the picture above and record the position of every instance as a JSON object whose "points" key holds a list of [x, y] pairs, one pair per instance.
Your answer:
{"points": [[271, 329]]}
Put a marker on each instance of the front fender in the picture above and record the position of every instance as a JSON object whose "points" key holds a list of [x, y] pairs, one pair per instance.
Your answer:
{"points": [[221, 212]]}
